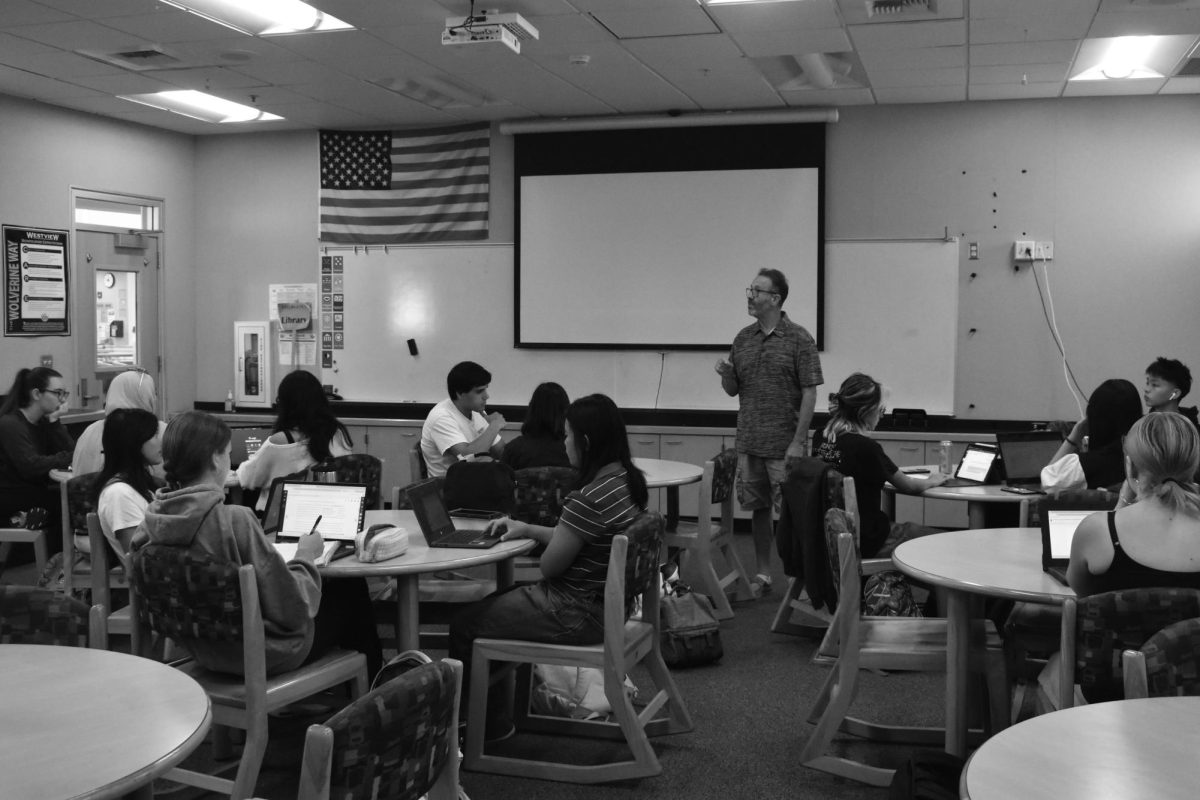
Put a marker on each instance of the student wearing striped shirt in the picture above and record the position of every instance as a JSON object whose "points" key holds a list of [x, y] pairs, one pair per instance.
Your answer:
{"points": [[567, 605]]}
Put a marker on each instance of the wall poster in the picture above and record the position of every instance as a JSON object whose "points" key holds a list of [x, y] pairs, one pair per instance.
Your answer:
{"points": [[35, 282], [292, 305]]}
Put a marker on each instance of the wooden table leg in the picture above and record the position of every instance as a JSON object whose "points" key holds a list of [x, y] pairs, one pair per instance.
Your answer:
{"points": [[958, 621], [672, 508], [408, 620]]}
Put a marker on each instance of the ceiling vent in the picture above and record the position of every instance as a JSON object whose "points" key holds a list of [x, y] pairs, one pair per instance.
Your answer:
{"points": [[140, 60], [879, 8], [882, 12]]}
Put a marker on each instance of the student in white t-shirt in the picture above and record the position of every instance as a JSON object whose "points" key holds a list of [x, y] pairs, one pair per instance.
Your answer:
{"points": [[456, 428], [132, 449]]}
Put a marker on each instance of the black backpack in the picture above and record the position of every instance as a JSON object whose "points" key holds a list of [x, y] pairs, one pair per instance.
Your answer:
{"points": [[927, 775], [486, 485]]}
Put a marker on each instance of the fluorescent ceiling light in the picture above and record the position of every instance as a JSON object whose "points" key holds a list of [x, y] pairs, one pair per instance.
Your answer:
{"points": [[263, 17], [1126, 57], [201, 106], [731, 2]]}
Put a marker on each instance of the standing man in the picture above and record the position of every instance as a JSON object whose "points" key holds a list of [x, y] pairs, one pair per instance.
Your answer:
{"points": [[456, 428], [774, 369]]}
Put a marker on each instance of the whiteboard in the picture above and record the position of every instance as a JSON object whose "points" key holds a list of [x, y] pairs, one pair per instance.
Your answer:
{"points": [[891, 310]]}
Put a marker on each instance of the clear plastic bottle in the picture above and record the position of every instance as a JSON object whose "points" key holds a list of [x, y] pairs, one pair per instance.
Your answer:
{"points": [[947, 463], [229, 402]]}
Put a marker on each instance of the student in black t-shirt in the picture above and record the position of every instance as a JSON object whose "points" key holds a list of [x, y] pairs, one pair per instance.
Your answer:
{"points": [[855, 410], [543, 431]]}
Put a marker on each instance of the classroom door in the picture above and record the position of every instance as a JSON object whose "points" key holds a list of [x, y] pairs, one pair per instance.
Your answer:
{"points": [[115, 311]]}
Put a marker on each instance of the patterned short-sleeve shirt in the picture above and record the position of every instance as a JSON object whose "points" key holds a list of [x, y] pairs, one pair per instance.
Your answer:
{"points": [[772, 371], [596, 513]]}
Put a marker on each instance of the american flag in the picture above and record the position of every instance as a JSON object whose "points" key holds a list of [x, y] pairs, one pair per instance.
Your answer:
{"points": [[381, 187]]}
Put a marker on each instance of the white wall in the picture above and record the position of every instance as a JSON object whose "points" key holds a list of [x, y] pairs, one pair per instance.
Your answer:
{"points": [[44, 152]]}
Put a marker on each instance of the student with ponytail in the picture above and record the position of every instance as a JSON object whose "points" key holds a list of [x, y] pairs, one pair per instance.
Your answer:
{"points": [[1153, 536], [32, 442], [854, 410]]}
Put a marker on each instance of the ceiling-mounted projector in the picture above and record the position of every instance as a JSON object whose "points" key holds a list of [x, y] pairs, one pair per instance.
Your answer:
{"points": [[489, 26]]}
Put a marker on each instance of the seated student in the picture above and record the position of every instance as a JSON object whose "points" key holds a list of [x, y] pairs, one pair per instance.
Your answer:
{"points": [[854, 410], [132, 389], [1112, 408], [302, 618], [132, 449], [1153, 536], [1167, 382], [567, 605], [32, 442], [542, 432], [456, 428], [306, 433]]}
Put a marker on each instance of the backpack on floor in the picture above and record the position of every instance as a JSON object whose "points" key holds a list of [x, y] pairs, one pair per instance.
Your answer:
{"points": [[691, 634], [927, 775]]}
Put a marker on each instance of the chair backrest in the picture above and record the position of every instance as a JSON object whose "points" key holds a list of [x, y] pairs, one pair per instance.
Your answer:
{"points": [[488, 485], [811, 489], [632, 572], [840, 521], [1102, 626], [418, 469], [30, 615], [78, 501], [358, 468], [724, 469], [1172, 660], [540, 492], [186, 595], [394, 742]]}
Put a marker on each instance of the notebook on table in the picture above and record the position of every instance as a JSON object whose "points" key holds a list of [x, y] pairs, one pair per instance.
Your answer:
{"points": [[439, 529], [245, 442], [976, 468], [1058, 530], [293, 508], [1024, 453]]}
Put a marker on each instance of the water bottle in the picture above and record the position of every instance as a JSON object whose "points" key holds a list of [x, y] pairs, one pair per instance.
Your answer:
{"points": [[229, 402], [947, 464]]}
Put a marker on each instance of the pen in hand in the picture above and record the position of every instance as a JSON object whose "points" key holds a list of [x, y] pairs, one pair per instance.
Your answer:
{"points": [[316, 522]]}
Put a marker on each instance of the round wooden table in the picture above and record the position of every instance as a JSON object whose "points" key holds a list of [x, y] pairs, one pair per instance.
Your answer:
{"points": [[992, 562], [80, 723], [670, 475], [421, 559], [978, 498], [1127, 748]]}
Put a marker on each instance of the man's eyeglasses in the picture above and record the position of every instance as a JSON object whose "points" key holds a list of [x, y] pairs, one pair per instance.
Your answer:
{"points": [[752, 292], [61, 394]]}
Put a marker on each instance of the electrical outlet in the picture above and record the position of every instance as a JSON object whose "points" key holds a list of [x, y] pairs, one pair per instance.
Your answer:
{"points": [[1043, 251], [1023, 250]]}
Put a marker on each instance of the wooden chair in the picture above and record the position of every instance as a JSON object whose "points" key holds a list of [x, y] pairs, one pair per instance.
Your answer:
{"points": [[1167, 665], [187, 596], [632, 571], [35, 536], [539, 492], [802, 610], [76, 503], [698, 542], [357, 468], [398, 742], [1097, 629], [31, 615], [882, 643], [119, 621], [417, 470]]}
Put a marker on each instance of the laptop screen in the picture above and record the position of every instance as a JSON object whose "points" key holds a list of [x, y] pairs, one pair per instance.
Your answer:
{"points": [[1025, 454], [1062, 524], [245, 442], [341, 507], [976, 463], [429, 507]]}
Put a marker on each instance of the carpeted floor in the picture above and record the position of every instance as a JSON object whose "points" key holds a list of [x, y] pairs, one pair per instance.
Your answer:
{"points": [[749, 712]]}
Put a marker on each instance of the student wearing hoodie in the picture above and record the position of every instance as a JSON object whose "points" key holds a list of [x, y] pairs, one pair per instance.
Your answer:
{"points": [[301, 621]]}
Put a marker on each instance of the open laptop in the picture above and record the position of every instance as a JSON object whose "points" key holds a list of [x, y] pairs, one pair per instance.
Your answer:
{"points": [[245, 443], [1024, 453], [294, 506], [1058, 529], [977, 467], [437, 526]]}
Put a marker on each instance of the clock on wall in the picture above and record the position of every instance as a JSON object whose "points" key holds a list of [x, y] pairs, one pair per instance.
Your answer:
{"points": [[110, 280]]}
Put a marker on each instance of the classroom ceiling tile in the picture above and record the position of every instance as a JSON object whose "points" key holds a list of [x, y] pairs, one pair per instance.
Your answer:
{"points": [[592, 57]]}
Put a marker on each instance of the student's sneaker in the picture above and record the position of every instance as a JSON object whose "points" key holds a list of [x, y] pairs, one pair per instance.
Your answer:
{"points": [[763, 581]]}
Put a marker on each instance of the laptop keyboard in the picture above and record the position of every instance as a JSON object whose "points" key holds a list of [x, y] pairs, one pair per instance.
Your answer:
{"points": [[460, 537]]}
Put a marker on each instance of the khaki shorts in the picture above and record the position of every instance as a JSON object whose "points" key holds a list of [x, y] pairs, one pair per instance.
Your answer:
{"points": [[758, 481]]}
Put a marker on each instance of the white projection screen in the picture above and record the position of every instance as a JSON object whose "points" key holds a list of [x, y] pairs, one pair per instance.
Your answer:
{"points": [[615, 254]]}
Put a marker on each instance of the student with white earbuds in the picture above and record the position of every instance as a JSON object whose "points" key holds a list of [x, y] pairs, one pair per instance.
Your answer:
{"points": [[1167, 382]]}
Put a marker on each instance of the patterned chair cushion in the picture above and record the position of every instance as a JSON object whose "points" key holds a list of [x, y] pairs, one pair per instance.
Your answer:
{"points": [[837, 521], [80, 501], [540, 492], [358, 468], [394, 741], [645, 536], [1173, 660], [42, 616], [724, 472], [1108, 624], [185, 595]]}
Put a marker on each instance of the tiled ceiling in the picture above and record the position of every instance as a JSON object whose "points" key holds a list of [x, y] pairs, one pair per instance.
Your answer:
{"points": [[642, 57]]}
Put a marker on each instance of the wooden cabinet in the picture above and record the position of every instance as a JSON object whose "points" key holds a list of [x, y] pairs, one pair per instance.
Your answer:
{"points": [[646, 445]]}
